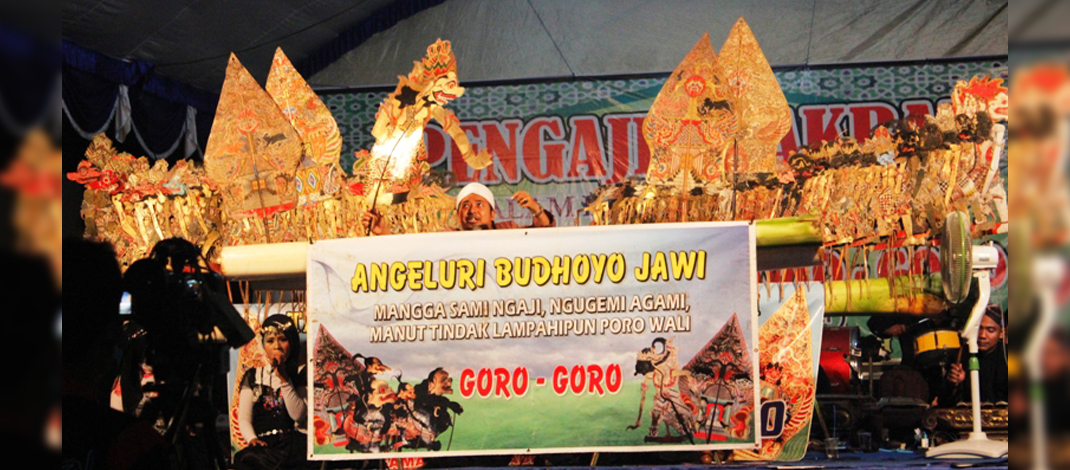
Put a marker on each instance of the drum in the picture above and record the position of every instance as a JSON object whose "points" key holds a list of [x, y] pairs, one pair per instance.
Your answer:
{"points": [[839, 358], [936, 347]]}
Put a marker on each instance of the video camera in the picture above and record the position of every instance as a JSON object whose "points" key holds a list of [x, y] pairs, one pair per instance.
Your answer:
{"points": [[175, 293], [183, 324]]}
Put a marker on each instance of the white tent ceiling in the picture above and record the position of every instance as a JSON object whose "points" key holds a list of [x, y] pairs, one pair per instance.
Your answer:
{"points": [[520, 39], [496, 40]]}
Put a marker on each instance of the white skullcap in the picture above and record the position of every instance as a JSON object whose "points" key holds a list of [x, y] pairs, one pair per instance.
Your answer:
{"points": [[475, 188]]}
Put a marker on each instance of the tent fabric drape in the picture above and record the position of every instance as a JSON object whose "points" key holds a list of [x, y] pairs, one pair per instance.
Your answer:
{"points": [[88, 101], [508, 40], [99, 93]]}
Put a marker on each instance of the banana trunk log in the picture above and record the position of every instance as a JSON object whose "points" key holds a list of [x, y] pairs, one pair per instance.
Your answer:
{"points": [[918, 295]]}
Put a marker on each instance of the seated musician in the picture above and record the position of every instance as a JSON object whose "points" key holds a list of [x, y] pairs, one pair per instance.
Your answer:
{"points": [[992, 354], [906, 329]]}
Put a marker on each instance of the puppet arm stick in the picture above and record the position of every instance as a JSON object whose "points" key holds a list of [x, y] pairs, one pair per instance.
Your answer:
{"points": [[452, 427], [642, 401], [382, 174]]}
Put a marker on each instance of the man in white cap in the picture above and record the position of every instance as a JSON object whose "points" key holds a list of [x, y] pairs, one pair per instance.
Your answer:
{"points": [[475, 211]]}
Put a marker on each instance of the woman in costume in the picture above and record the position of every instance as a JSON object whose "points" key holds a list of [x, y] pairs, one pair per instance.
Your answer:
{"points": [[271, 402]]}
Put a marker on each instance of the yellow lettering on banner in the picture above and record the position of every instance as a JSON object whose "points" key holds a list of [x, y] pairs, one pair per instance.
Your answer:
{"points": [[616, 267], [540, 270], [659, 269], [429, 281], [360, 279], [481, 272], [683, 264], [559, 273], [397, 275], [448, 271], [503, 270], [378, 277], [598, 267], [641, 271], [700, 272], [465, 270], [581, 269], [416, 275], [523, 271], [471, 275]]}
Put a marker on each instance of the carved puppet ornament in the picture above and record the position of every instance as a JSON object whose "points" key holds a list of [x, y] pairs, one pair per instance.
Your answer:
{"points": [[691, 123], [318, 175], [253, 150], [760, 106]]}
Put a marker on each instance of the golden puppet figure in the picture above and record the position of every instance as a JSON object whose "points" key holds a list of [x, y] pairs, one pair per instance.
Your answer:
{"points": [[397, 161], [756, 99], [691, 123], [318, 176], [253, 154]]}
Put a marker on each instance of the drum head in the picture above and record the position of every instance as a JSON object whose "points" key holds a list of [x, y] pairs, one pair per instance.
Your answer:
{"points": [[937, 347]]}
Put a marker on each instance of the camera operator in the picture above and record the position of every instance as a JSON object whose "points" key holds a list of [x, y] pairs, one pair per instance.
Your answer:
{"points": [[182, 322], [97, 437]]}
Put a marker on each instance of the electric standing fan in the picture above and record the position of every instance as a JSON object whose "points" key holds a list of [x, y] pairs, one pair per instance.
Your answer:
{"points": [[961, 261]]}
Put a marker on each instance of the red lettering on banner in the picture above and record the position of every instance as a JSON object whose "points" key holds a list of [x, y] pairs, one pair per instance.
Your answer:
{"points": [[610, 148], [496, 382], [822, 122], [465, 173], [502, 139], [468, 382], [915, 111], [642, 152], [520, 381], [501, 382], [790, 143], [543, 158], [926, 260], [435, 142], [859, 272], [595, 380], [894, 265], [586, 149], [484, 382], [560, 380], [614, 378], [864, 117], [578, 377], [625, 144], [834, 260]]}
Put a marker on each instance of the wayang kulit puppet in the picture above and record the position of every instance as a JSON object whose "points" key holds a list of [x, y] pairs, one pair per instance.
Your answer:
{"points": [[398, 159], [713, 132], [707, 399], [355, 406]]}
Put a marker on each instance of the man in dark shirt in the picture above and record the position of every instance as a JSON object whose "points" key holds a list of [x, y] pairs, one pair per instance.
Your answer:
{"points": [[96, 436], [992, 354]]}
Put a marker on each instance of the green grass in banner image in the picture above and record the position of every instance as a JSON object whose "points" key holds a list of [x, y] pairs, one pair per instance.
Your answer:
{"points": [[542, 419]]}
